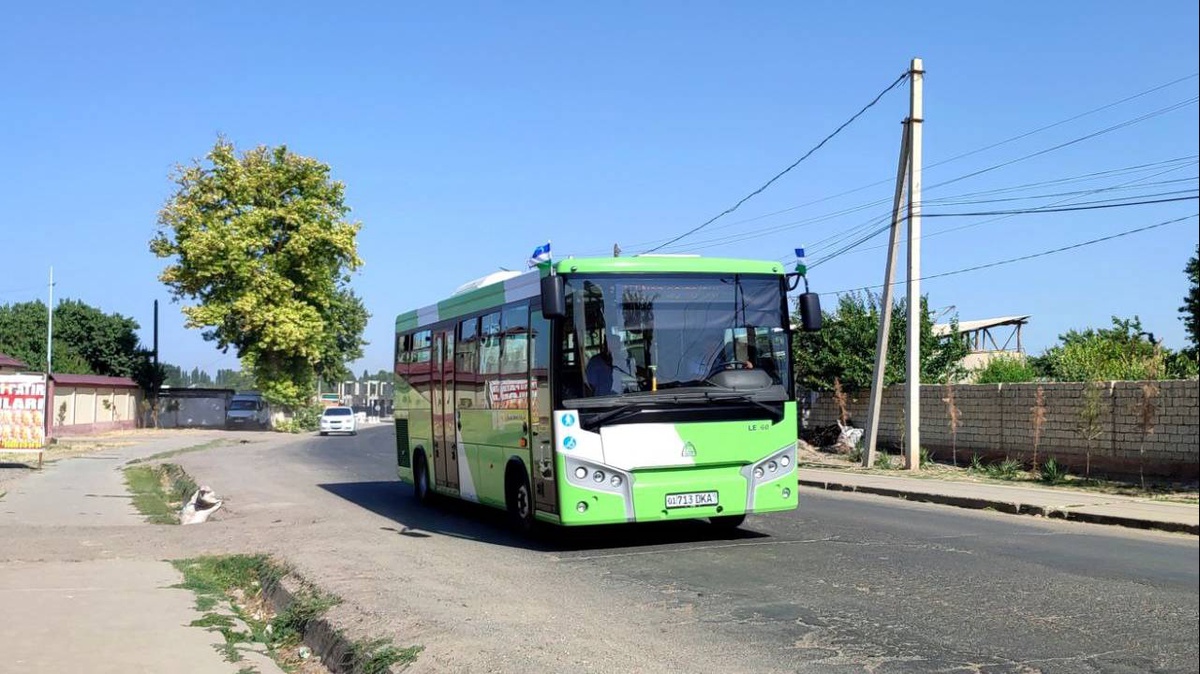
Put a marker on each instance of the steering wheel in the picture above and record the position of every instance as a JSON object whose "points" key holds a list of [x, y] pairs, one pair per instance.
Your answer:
{"points": [[731, 365]]}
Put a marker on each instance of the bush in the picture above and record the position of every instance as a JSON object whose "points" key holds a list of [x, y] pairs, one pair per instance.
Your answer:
{"points": [[303, 420], [1006, 370], [1051, 472]]}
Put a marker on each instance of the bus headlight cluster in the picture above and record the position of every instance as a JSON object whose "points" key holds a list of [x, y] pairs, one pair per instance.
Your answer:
{"points": [[774, 466], [592, 476]]}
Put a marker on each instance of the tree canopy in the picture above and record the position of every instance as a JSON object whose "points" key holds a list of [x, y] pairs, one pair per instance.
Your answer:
{"points": [[1190, 311], [1122, 352], [844, 348], [86, 340], [261, 249]]}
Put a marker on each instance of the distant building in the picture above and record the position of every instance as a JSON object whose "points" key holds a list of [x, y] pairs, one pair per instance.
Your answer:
{"points": [[372, 396], [981, 337]]}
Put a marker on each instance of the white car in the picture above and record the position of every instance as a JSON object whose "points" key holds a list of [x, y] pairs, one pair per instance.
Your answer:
{"points": [[338, 420]]}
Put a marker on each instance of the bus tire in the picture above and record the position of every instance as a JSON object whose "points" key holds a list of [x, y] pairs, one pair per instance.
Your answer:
{"points": [[519, 498], [727, 522], [422, 492]]}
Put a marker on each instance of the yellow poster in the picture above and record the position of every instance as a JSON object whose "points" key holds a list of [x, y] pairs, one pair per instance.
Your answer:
{"points": [[22, 411]]}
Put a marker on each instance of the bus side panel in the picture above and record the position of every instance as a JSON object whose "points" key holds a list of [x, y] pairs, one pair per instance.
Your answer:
{"points": [[413, 415]]}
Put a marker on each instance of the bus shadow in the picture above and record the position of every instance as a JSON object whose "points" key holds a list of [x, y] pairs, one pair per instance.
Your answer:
{"points": [[462, 519]]}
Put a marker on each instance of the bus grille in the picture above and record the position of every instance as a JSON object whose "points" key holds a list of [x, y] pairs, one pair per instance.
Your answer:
{"points": [[403, 457]]}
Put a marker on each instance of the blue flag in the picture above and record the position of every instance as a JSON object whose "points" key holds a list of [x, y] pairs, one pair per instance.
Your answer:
{"points": [[541, 254]]}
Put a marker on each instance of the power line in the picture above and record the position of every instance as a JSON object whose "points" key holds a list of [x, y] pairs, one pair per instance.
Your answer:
{"points": [[991, 146], [794, 164], [1086, 206], [1031, 256], [1003, 217], [1094, 134]]}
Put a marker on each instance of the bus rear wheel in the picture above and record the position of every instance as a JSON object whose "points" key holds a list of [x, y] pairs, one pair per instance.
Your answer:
{"points": [[421, 490], [727, 522]]}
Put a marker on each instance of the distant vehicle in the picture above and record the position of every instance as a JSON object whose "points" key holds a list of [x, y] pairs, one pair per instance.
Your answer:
{"points": [[338, 420], [247, 410]]}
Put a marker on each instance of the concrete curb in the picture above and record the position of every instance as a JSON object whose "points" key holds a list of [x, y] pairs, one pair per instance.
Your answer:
{"points": [[1010, 507], [326, 641]]}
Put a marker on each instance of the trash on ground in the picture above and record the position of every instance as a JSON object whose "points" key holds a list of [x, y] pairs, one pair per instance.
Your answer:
{"points": [[200, 507]]}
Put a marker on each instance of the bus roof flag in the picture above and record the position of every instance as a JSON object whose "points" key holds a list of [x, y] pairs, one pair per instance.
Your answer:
{"points": [[541, 255]]}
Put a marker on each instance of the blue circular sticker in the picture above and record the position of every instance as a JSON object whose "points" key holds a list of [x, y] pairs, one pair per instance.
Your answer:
{"points": [[569, 442], [568, 420]]}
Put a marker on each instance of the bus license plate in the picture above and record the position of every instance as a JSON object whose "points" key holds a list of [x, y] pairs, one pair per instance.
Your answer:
{"points": [[692, 500]]}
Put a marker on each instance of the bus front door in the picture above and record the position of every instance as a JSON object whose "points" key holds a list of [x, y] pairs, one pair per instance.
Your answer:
{"points": [[445, 449]]}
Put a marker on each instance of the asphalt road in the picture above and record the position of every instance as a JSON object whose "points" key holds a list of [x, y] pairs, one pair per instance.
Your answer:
{"points": [[847, 583]]}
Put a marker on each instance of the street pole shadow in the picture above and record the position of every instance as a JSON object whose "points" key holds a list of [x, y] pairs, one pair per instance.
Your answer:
{"points": [[462, 519]]}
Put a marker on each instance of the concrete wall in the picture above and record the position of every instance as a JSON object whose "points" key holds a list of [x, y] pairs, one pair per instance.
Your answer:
{"points": [[196, 409], [82, 410], [996, 422]]}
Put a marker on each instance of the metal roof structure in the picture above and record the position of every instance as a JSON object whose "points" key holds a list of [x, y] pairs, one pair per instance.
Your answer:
{"points": [[979, 332], [943, 329]]}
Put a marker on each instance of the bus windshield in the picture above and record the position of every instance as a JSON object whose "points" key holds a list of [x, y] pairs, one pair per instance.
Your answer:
{"points": [[647, 333]]}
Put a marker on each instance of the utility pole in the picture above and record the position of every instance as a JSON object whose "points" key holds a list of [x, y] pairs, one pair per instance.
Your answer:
{"points": [[885, 309], [908, 178], [47, 401], [912, 421]]}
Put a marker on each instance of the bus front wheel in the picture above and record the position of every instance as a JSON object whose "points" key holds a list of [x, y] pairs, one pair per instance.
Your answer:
{"points": [[520, 500]]}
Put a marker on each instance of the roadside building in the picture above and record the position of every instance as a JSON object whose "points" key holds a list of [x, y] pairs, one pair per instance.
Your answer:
{"points": [[988, 339], [10, 365], [87, 403]]}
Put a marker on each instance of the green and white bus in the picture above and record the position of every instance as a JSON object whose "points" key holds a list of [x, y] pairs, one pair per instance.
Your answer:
{"points": [[605, 390]]}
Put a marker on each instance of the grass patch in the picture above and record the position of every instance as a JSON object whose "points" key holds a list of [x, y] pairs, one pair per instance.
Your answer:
{"points": [[211, 444], [159, 491], [376, 656], [229, 590]]}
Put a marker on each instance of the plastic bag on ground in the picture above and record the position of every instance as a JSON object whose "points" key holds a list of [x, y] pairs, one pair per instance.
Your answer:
{"points": [[200, 507]]}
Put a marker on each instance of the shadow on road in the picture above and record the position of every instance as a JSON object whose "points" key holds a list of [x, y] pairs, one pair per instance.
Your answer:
{"points": [[461, 519]]}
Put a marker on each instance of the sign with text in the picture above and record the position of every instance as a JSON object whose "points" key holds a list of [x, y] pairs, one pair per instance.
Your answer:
{"points": [[22, 412]]}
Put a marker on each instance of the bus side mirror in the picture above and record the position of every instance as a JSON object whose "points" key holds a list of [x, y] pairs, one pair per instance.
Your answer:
{"points": [[810, 311], [554, 297]]}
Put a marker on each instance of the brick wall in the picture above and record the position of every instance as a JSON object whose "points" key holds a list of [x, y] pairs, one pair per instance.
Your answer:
{"points": [[996, 422]]}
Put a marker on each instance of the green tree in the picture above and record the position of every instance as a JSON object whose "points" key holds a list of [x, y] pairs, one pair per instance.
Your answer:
{"points": [[86, 340], [1191, 304], [1004, 369], [1121, 352], [260, 243], [844, 348]]}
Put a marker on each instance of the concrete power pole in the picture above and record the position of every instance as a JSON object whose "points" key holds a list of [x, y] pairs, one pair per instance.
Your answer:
{"points": [[885, 316], [912, 419], [908, 178]]}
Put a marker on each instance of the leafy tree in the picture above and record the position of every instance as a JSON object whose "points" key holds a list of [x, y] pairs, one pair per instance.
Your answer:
{"points": [[1122, 352], [259, 242], [86, 340], [1191, 303], [844, 348], [235, 379], [1006, 370]]}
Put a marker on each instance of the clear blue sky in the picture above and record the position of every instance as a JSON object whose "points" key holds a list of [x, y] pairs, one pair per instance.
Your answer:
{"points": [[468, 133]]}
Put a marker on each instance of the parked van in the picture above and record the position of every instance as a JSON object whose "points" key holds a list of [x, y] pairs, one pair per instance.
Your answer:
{"points": [[247, 410]]}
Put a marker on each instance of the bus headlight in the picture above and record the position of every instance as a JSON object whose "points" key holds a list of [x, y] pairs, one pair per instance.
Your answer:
{"points": [[772, 466], [758, 473], [615, 481], [598, 476], [785, 460], [581, 473]]}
